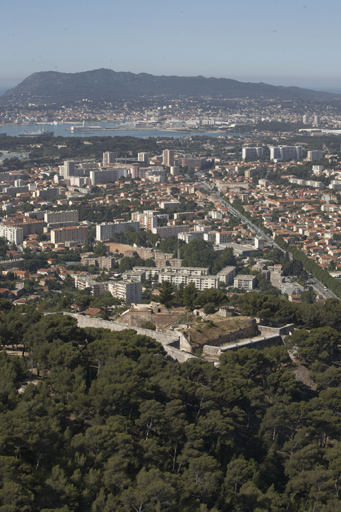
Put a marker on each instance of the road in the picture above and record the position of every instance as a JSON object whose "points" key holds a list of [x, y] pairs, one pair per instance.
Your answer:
{"points": [[320, 289], [260, 233]]}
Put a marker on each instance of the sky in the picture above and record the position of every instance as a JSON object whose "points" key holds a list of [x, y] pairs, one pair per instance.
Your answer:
{"points": [[280, 42]]}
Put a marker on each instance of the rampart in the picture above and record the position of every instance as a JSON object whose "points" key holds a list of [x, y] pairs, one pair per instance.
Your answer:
{"points": [[258, 343], [230, 337], [172, 342]]}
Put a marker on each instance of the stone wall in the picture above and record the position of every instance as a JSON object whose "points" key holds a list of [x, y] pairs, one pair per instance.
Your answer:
{"points": [[171, 342], [243, 332], [285, 330], [98, 323], [259, 343]]}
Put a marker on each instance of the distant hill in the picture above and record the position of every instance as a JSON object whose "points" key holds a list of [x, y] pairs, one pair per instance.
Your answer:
{"points": [[104, 84]]}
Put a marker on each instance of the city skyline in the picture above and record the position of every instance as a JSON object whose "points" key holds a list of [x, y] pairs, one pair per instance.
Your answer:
{"points": [[276, 42]]}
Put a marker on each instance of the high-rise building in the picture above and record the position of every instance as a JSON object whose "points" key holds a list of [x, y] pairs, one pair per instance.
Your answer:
{"points": [[317, 120], [109, 158], [143, 157], [168, 157], [67, 169], [249, 153], [305, 119], [315, 155], [13, 234], [283, 153]]}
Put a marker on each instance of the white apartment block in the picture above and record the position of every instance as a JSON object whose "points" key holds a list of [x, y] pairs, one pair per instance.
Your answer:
{"points": [[244, 282], [169, 204], [216, 214], [168, 156], [252, 153], [67, 169], [77, 234], [108, 158], [129, 291], [62, 216], [168, 231], [284, 153], [188, 236], [223, 237], [143, 157], [107, 175], [226, 275], [147, 219], [201, 282], [97, 288], [315, 155], [12, 234], [188, 271], [106, 230]]}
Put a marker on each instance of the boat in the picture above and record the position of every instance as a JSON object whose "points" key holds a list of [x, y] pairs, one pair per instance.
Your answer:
{"points": [[37, 133]]}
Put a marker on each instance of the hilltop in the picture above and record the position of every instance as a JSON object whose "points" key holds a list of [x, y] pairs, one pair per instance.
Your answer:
{"points": [[106, 85]]}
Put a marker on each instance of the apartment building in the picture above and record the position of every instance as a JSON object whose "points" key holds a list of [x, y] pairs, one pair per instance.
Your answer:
{"points": [[106, 230], [201, 282], [109, 158], [97, 288], [244, 282], [168, 231], [12, 234], [315, 155], [61, 216], [77, 234], [193, 162], [168, 156], [285, 153], [147, 219], [129, 291], [252, 153], [101, 176]]}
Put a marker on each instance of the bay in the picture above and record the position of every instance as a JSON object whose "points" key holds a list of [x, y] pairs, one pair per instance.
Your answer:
{"points": [[63, 130]]}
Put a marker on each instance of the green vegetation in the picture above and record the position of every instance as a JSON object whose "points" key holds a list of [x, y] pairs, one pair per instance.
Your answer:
{"points": [[111, 425]]}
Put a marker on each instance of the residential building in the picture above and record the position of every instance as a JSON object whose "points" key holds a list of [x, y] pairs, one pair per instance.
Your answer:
{"points": [[106, 230], [108, 158], [252, 153], [168, 156], [285, 153], [315, 155], [129, 291], [77, 234], [168, 231], [61, 216], [12, 234], [244, 282]]}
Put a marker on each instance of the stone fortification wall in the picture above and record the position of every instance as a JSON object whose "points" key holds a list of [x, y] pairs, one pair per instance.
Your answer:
{"points": [[258, 343], [285, 330], [98, 323], [170, 342], [243, 332]]}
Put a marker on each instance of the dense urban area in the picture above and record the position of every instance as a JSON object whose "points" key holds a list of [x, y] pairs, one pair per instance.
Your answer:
{"points": [[170, 316]]}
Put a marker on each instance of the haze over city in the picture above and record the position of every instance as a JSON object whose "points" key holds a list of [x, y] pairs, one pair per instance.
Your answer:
{"points": [[277, 42]]}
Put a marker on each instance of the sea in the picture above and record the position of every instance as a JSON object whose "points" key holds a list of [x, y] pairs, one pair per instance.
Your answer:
{"points": [[109, 130]]}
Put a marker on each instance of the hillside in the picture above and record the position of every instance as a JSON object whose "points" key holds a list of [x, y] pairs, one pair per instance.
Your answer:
{"points": [[107, 85]]}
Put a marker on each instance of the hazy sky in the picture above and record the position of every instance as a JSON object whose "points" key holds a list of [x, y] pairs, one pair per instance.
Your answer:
{"points": [[281, 42]]}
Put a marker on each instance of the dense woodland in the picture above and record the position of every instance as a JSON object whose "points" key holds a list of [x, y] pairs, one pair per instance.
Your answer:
{"points": [[110, 424]]}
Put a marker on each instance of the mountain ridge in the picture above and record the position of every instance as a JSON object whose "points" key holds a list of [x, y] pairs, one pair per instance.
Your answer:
{"points": [[50, 87]]}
